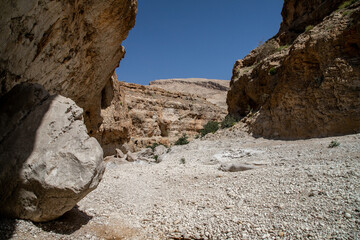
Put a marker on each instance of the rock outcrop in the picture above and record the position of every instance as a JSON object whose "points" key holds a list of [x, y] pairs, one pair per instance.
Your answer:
{"points": [[310, 87], [142, 115], [69, 47], [212, 90], [47, 161]]}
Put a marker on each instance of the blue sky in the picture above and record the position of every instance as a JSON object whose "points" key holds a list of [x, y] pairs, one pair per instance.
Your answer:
{"points": [[195, 38]]}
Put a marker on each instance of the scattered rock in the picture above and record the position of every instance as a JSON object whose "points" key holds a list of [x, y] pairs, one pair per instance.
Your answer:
{"points": [[235, 167], [131, 157], [119, 153], [125, 148], [160, 150]]}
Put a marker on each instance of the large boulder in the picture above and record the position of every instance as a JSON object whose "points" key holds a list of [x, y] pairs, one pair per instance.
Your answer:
{"points": [[70, 47], [47, 161]]}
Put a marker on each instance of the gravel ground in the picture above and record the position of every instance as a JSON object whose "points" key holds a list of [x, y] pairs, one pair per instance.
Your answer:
{"points": [[297, 190]]}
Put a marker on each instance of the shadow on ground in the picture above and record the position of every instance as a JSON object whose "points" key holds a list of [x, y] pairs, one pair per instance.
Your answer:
{"points": [[7, 228], [67, 224]]}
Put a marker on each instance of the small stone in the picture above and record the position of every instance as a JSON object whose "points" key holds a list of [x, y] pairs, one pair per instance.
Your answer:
{"points": [[229, 206], [347, 215], [281, 234]]}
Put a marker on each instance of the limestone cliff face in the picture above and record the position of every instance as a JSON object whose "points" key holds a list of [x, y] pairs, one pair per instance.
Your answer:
{"points": [[212, 89], [142, 115], [309, 88], [69, 47]]}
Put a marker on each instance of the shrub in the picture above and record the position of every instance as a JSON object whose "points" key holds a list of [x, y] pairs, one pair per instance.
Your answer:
{"points": [[282, 47], [182, 161], [156, 158], [308, 28], [210, 127], [182, 140], [333, 144], [229, 121], [272, 71], [347, 3], [153, 146]]}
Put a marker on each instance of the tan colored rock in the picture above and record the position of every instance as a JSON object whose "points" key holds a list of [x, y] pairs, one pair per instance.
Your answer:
{"points": [[161, 116], [143, 115], [69, 47], [212, 90], [47, 160], [310, 88], [119, 153]]}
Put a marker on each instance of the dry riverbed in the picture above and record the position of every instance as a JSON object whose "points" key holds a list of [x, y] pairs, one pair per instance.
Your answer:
{"points": [[296, 190]]}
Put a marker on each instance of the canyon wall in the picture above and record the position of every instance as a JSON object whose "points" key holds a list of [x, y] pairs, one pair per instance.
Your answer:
{"points": [[53, 53], [69, 47], [213, 90], [143, 115], [308, 87]]}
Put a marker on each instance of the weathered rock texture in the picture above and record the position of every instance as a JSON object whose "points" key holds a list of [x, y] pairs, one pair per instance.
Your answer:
{"points": [[142, 115], [212, 90], [69, 47], [309, 88], [47, 161], [116, 126]]}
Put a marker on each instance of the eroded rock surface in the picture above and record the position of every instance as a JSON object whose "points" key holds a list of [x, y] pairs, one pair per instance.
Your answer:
{"points": [[212, 90], [143, 115], [47, 161], [309, 88], [69, 47]]}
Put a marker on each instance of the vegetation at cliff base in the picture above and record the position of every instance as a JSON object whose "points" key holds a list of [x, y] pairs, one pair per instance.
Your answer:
{"points": [[182, 140], [210, 127], [228, 122]]}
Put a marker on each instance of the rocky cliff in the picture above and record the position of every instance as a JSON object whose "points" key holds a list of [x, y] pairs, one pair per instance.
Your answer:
{"points": [[69, 47], [142, 115], [212, 90], [308, 87], [48, 162]]}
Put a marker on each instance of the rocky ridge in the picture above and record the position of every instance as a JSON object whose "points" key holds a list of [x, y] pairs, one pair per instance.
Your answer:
{"points": [[212, 90], [308, 88], [142, 115]]}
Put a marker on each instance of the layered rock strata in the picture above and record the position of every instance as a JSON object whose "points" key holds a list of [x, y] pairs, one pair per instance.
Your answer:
{"points": [[309, 88], [47, 161], [69, 47], [212, 90], [143, 115]]}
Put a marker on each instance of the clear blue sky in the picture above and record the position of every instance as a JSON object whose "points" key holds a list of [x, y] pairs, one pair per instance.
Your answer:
{"points": [[195, 38]]}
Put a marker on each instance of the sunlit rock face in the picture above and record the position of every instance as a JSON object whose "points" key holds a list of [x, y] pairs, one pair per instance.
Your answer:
{"points": [[69, 47], [142, 115], [47, 160], [305, 81]]}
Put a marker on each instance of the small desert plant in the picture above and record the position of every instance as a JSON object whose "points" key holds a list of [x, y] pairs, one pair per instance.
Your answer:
{"points": [[182, 140], [333, 144], [168, 150], [347, 3], [182, 161], [272, 71], [229, 121], [210, 127], [308, 28], [282, 47], [156, 158], [153, 146]]}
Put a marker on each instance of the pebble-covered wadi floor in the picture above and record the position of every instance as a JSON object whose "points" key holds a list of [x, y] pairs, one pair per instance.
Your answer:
{"points": [[298, 190]]}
